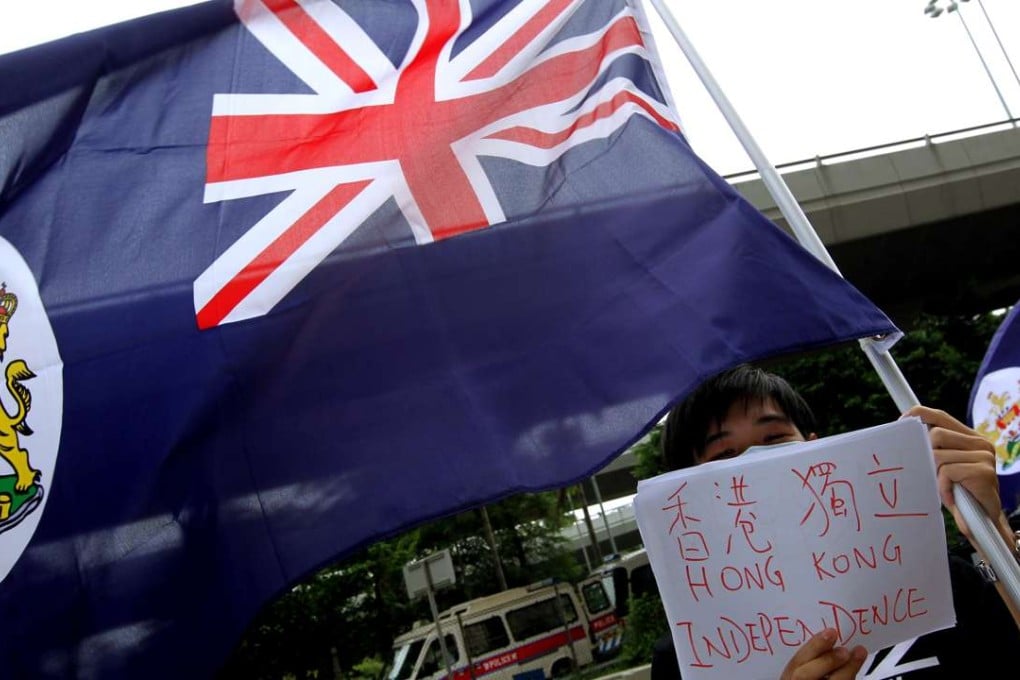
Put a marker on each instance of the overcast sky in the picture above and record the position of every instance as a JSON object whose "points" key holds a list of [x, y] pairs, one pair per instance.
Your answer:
{"points": [[808, 77]]}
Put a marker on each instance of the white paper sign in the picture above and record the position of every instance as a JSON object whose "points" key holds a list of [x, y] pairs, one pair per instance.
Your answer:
{"points": [[754, 555]]}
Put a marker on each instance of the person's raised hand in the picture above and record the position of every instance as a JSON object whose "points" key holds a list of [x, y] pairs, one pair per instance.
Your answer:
{"points": [[820, 657], [962, 456]]}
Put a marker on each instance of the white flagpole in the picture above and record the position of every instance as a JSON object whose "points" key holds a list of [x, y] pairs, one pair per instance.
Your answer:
{"points": [[982, 527]]}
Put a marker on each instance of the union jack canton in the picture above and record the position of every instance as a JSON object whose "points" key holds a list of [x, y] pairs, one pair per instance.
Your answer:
{"points": [[380, 120]]}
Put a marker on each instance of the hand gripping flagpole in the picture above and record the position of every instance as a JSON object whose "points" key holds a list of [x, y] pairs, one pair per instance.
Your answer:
{"points": [[982, 527]]}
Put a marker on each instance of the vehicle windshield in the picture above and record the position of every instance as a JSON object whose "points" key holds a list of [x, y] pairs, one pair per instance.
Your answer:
{"points": [[404, 658], [595, 597]]}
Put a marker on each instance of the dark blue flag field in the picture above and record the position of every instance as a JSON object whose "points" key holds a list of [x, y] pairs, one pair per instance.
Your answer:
{"points": [[282, 279], [995, 405]]}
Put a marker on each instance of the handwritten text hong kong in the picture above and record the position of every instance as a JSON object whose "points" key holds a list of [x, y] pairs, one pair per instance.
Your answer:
{"points": [[748, 564]]}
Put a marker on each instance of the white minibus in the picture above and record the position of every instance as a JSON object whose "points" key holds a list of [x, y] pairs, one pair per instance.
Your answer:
{"points": [[545, 628]]}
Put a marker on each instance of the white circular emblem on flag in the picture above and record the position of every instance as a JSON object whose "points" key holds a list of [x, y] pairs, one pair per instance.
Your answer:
{"points": [[31, 406], [996, 415]]}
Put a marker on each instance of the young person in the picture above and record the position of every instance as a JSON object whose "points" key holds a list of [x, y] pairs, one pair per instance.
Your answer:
{"points": [[747, 406]]}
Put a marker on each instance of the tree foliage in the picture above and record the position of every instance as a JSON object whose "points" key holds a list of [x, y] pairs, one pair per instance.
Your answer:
{"points": [[340, 621], [938, 355], [646, 623], [648, 454]]}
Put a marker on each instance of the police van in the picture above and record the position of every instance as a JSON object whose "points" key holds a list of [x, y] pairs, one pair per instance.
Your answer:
{"points": [[626, 576], [550, 627]]}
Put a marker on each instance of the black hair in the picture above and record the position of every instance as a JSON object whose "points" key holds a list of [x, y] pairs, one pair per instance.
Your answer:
{"points": [[687, 425]]}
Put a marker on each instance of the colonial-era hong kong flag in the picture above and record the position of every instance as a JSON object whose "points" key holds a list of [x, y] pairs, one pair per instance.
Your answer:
{"points": [[281, 278], [995, 406]]}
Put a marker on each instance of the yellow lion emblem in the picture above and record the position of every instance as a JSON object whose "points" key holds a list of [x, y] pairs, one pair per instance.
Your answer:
{"points": [[12, 425], [1003, 413]]}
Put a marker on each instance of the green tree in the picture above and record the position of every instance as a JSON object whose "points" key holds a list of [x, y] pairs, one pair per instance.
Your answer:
{"points": [[938, 355], [329, 618], [646, 623], [648, 454], [529, 542], [345, 616]]}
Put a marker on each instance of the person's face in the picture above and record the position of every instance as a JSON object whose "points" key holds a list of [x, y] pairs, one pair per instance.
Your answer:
{"points": [[748, 423]]}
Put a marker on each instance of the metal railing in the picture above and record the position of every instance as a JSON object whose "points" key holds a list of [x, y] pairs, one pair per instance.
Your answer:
{"points": [[887, 147]]}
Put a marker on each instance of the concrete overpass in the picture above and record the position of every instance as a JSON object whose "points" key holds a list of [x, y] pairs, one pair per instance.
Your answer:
{"points": [[925, 225]]}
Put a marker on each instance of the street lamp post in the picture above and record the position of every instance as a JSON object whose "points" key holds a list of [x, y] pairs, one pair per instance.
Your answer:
{"points": [[933, 10], [998, 40]]}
